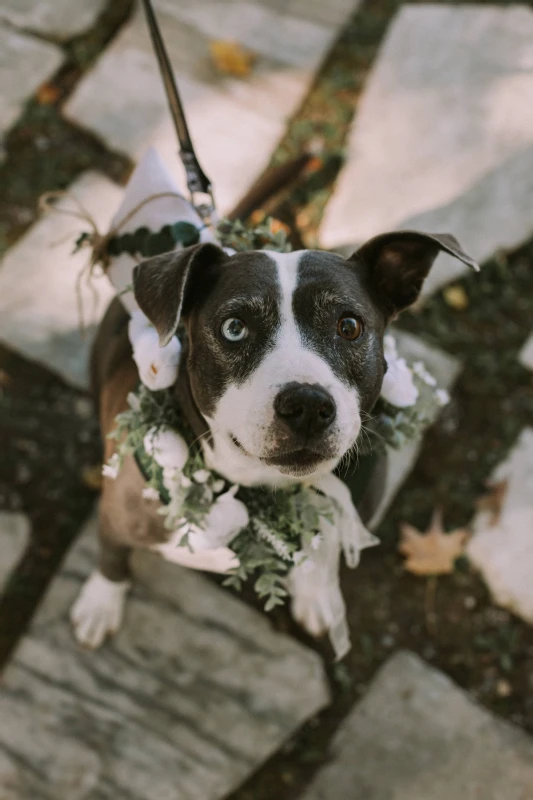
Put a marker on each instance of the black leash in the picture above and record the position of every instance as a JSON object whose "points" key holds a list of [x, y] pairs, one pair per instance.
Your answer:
{"points": [[197, 180]]}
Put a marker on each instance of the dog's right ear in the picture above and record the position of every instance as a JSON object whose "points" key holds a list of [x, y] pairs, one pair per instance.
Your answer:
{"points": [[399, 261], [160, 284]]}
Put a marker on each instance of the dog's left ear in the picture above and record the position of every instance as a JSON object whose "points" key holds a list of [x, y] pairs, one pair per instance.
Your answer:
{"points": [[161, 284], [398, 262]]}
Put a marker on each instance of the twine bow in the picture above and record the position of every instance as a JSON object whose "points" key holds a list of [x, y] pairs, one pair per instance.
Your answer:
{"points": [[93, 239]]}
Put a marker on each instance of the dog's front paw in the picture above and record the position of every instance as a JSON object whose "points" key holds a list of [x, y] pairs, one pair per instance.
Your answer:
{"points": [[99, 609], [307, 612]]}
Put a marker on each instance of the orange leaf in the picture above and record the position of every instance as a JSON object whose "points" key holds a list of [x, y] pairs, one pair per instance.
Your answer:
{"points": [[92, 477], [303, 218], [277, 225], [492, 501], [231, 58], [456, 297], [257, 216], [5, 379], [433, 552], [47, 94], [314, 164]]}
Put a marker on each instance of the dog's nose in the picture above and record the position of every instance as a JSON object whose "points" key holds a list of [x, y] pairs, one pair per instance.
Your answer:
{"points": [[306, 408]]}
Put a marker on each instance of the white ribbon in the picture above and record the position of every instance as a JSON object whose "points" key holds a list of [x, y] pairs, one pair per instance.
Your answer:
{"points": [[315, 584], [158, 366]]}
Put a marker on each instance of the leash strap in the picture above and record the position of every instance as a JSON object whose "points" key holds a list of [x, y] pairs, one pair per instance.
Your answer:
{"points": [[197, 180]]}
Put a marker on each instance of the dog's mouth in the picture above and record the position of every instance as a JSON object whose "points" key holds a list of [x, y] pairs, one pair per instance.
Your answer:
{"points": [[294, 458], [299, 461]]}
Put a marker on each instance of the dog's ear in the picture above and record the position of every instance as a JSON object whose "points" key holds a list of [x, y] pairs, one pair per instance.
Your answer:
{"points": [[160, 284], [398, 262]]}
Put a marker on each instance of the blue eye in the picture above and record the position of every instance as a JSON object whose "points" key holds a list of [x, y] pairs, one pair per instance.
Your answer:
{"points": [[234, 330]]}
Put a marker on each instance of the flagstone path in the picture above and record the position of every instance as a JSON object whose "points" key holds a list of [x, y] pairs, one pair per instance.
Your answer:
{"points": [[59, 19], [235, 123], [416, 735], [194, 693], [445, 369], [25, 62], [39, 315], [197, 690], [443, 136], [14, 534], [526, 354], [502, 548]]}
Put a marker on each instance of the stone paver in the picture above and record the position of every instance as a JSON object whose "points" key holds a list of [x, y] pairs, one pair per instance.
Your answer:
{"points": [[503, 551], [443, 137], [25, 63], [416, 736], [59, 19], [38, 306], [190, 697], [235, 123], [445, 368], [526, 354], [14, 536]]}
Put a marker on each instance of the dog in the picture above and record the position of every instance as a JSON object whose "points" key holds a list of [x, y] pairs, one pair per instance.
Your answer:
{"points": [[282, 360]]}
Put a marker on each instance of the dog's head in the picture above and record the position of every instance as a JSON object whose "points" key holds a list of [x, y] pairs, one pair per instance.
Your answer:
{"points": [[285, 350]]}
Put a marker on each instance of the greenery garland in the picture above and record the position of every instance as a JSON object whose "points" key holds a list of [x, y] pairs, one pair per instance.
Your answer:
{"points": [[146, 243], [281, 525]]}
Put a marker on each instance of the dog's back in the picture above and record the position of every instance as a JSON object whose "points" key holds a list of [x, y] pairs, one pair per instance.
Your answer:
{"points": [[111, 348]]}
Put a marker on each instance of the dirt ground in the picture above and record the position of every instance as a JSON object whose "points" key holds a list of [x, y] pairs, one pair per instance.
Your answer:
{"points": [[49, 440]]}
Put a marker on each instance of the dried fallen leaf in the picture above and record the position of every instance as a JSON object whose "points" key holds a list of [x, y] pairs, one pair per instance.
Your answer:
{"points": [[456, 297], [276, 225], [493, 500], [47, 94], [92, 477], [257, 216], [314, 164], [433, 552], [5, 379], [303, 219], [503, 688], [231, 58]]}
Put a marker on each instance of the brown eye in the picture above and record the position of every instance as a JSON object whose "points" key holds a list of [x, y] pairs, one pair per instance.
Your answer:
{"points": [[350, 328]]}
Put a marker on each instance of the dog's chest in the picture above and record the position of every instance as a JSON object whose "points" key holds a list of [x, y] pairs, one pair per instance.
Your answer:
{"points": [[236, 467]]}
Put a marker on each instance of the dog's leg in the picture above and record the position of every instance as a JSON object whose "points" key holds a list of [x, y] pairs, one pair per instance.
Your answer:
{"points": [[99, 609], [317, 601]]}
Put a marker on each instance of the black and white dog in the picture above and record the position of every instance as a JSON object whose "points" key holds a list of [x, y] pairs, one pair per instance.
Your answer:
{"points": [[283, 358]]}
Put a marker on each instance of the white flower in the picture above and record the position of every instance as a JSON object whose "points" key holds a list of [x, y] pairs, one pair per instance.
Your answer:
{"points": [[227, 517], [398, 387], [218, 486], [201, 476], [134, 402], [389, 348], [185, 482], [442, 396], [171, 478], [112, 468], [149, 493], [167, 447], [269, 535], [158, 366], [419, 368]]}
